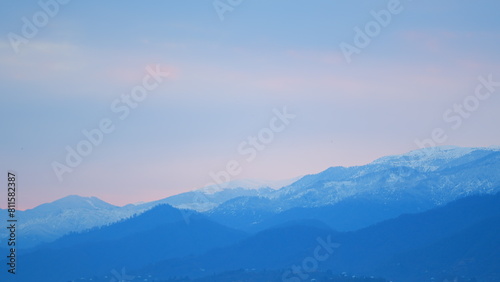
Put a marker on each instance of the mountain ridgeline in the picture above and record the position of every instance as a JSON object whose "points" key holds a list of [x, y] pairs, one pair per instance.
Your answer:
{"points": [[356, 197], [428, 215]]}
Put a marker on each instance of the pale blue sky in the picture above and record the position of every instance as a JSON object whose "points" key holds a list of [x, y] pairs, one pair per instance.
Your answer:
{"points": [[226, 77]]}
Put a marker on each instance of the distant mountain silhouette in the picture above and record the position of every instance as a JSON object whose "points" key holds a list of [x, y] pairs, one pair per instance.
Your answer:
{"points": [[370, 251], [158, 234], [413, 217], [349, 198], [472, 252], [345, 198]]}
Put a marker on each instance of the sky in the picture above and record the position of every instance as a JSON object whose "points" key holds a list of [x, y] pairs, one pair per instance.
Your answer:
{"points": [[135, 101]]}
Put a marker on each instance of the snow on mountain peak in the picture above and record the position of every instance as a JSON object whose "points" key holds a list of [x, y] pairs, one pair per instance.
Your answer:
{"points": [[76, 202], [427, 159], [250, 184]]}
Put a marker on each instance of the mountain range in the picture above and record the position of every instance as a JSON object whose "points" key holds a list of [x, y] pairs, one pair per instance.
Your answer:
{"points": [[345, 198], [349, 198], [428, 215], [47, 222], [460, 240]]}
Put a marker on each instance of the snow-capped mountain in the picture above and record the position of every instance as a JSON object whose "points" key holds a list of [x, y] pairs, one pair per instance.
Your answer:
{"points": [[439, 175], [411, 182], [248, 184], [202, 200], [209, 197], [50, 221], [430, 159]]}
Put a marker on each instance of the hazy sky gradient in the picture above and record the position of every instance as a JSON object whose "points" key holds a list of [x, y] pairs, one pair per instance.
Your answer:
{"points": [[226, 77]]}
